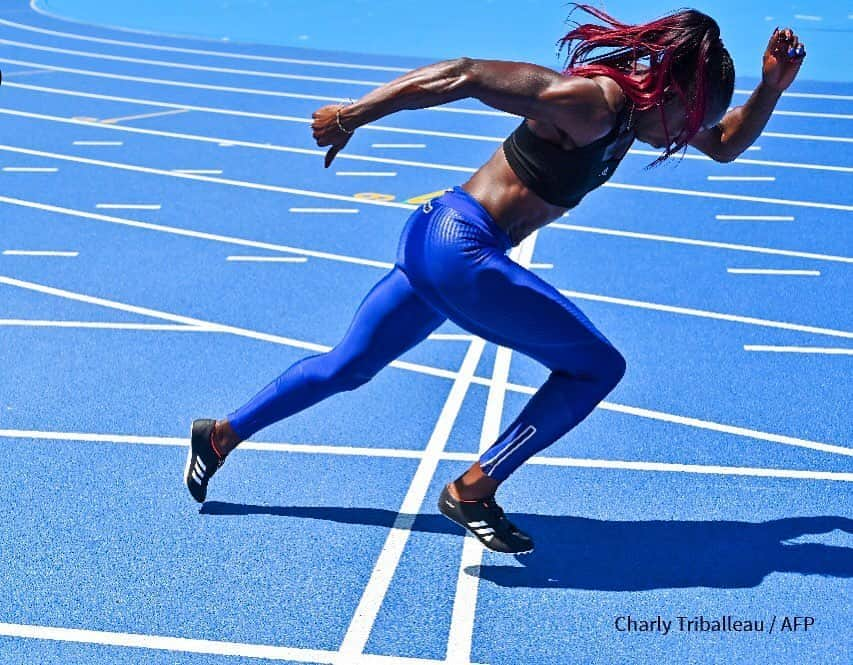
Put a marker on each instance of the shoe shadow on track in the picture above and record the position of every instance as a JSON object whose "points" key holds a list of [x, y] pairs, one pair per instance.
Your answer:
{"points": [[580, 553]]}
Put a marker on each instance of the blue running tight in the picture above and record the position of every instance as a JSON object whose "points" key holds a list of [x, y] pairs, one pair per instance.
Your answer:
{"points": [[452, 264]]}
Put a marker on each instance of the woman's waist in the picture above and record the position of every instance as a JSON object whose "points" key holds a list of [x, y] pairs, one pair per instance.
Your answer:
{"points": [[517, 211], [515, 208]]}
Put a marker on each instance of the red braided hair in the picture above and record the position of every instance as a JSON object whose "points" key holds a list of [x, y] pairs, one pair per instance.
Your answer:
{"points": [[685, 58]]}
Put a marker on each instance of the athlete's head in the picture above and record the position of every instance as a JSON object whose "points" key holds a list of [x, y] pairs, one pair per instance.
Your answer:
{"points": [[675, 70]]}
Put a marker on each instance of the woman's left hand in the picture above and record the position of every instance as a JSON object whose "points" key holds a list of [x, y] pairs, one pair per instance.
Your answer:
{"points": [[782, 59]]}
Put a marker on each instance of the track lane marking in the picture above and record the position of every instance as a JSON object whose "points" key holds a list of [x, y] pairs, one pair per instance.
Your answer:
{"points": [[425, 369], [363, 451]]}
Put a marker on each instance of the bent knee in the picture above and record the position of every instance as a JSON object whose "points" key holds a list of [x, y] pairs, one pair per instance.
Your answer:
{"points": [[601, 364], [612, 368], [617, 365]]}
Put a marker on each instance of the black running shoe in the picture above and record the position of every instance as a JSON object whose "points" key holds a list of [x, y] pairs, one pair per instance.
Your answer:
{"points": [[486, 520], [202, 459]]}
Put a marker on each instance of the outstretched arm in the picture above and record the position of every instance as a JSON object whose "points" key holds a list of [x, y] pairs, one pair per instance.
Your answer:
{"points": [[574, 104], [741, 126]]}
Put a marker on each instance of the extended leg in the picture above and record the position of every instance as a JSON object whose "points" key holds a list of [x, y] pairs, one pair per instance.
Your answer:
{"points": [[391, 319]]}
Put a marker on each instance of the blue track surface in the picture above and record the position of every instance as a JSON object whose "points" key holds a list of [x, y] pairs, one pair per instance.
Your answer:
{"points": [[715, 480]]}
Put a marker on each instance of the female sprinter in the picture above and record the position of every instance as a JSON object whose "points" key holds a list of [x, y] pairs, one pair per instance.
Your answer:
{"points": [[667, 83]]}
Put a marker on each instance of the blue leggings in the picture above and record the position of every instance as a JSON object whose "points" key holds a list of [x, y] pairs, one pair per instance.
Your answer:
{"points": [[452, 264]]}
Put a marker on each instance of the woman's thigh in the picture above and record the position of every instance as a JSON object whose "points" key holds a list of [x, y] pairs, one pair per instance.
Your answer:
{"points": [[391, 319], [501, 301]]}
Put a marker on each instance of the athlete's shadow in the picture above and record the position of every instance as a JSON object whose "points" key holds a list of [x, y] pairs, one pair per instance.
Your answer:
{"points": [[580, 553]]}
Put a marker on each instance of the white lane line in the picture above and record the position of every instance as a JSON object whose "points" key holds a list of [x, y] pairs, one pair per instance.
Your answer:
{"points": [[128, 206], [811, 114], [227, 70], [30, 169], [730, 197], [433, 371], [742, 178], [699, 243], [245, 144], [213, 179], [394, 204], [161, 327], [222, 54], [203, 86], [805, 95], [753, 148], [177, 644], [188, 645], [387, 265], [327, 98], [269, 259], [362, 622], [460, 637], [767, 323], [621, 408], [541, 266], [325, 211], [184, 65], [753, 162], [141, 116], [165, 327], [182, 442], [270, 116], [451, 337], [296, 61], [808, 17], [398, 145], [712, 426], [252, 91], [771, 271], [26, 72], [353, 451], [199, 171], [799, 349], [260, 58], [808, 137], [188, 320], [29, 252], [162, 228], [693, 468], [755, 218], [383, 174], [98, 143]]}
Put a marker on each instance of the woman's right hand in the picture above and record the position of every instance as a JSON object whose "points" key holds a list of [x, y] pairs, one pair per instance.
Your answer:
{"points": [[327, 131]]}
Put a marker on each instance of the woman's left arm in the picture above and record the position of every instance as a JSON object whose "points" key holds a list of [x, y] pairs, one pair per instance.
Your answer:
{"points": [[741, 126]]}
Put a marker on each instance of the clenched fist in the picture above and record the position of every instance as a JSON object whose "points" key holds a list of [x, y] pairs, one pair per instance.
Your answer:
{"points": [[328, 130]]}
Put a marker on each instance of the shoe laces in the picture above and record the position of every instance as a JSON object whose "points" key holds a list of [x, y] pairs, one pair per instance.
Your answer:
{"points": [[494, 509]]}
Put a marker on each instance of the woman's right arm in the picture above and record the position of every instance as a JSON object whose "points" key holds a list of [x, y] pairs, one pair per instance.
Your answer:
{"points": [[576, 105]]}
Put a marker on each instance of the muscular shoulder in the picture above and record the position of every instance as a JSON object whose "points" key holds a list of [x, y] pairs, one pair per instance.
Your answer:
{"points": [[590, 106]]}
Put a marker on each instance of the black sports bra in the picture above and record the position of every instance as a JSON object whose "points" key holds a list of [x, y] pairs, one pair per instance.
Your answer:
{"points": [[563, 177]]}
